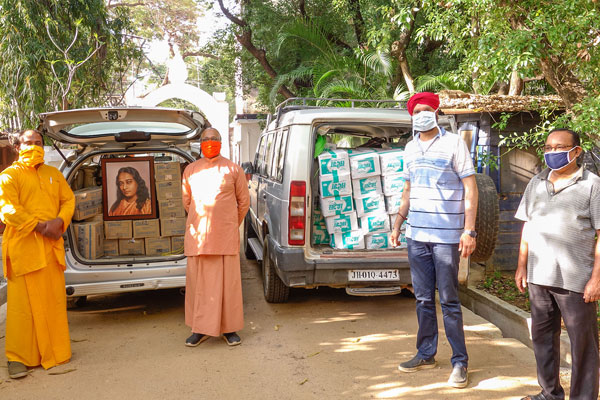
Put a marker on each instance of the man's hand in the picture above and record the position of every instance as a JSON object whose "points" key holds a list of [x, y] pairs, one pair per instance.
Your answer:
{"points": [[40, 227], [394, 237], [466, 245], [54, 229], [521, 279], [591, 292]]}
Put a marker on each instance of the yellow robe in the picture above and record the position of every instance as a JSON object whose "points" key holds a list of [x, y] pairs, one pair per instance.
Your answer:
{"points": [[37, 331], [130, 208]]}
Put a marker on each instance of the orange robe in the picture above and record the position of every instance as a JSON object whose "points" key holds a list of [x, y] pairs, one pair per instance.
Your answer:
{"points": [[215, 195], [130, 208], [37, 330]]}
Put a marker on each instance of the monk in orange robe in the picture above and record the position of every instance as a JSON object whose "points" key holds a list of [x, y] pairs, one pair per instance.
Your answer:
{"points": [[215, 195], [36, 204], [133, 196]]}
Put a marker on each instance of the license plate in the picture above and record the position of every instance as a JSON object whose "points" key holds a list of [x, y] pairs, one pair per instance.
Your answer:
{"points": [[373, 275]]}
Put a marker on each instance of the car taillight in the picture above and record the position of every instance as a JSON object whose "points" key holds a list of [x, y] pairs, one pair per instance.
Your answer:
{"points": [[297, 213]]}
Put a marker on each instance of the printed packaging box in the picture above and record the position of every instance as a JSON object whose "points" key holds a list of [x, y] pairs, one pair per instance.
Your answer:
{"points": [[392, 203], [393, 184], [90, 239], [131, 247], [364, 164], [88, 203], [336, 205], [378, 241], [392, 161], [335, 185], [172, 226], [146, 228], [320, 235], [366, 186], [172, 208], [353, 240], [177, 244], [168, 190], [370, 204], [118, 229], [111, 247], [375, 223], [158, 246], [334, 162], [167, 171], [341, 223]]}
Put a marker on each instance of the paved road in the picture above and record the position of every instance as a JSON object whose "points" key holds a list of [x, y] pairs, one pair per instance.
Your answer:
{"points": [[323, 344]]}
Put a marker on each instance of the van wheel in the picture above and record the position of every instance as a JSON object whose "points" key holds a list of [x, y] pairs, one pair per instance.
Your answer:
{"points": [[486, 224], [274, 289], [248, 233]]}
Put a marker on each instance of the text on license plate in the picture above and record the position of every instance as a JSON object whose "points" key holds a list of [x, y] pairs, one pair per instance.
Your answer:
{"points": [[373, 275]]}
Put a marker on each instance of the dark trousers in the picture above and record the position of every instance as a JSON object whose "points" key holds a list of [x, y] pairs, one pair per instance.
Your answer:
{"points": [[431, 264], [547, 306]]}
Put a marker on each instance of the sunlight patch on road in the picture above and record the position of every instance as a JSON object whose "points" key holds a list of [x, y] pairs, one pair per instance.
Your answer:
{"points": [[481, 328], [344, 316], [505, 382], [364, 343]]}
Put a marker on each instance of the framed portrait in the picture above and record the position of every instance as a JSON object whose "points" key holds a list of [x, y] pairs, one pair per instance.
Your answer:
{"points": [[128, 188]]}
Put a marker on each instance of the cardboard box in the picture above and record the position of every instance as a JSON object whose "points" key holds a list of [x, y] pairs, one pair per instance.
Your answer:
{"points": [[391, 161], [158, 246], [172, 208], [392, 203], [375, 223], [131, 247], [393, 184], [353, 240], [335, 185], [370, 205], [111, 247], [167, 171], [379, 241], [177, 244], [320, 235], [172, 226], [168, 190], [90, 239], [366, 186], [341, 223], [117, 229], [336, 205], [364, 164], [146, 228], [88, 203], [334, 162]]}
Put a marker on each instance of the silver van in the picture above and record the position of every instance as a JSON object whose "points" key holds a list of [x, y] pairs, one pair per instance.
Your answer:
{"points": [[283, 182], [100, 134]]}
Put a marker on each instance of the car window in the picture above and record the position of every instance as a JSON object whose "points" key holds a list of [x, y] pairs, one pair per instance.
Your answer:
{"points": [[260, 151], [275, 158], [268, 154], [282, 152]]}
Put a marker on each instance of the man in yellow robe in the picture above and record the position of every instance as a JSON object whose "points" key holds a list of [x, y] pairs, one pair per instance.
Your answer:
{"points": [[215, 195], [36, 204]]}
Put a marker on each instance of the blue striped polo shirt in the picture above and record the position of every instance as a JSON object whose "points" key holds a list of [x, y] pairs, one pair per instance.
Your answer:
{"points": [[435, 170]]}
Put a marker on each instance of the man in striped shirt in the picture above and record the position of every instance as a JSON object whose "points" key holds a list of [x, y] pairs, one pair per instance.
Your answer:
{"points": [[440, 203]]}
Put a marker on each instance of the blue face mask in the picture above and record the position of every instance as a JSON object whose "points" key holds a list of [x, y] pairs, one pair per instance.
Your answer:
{"points": [[558, 159]]}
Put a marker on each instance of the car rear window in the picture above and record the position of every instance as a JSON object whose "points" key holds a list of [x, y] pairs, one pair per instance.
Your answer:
{"points": [[110, 128]]}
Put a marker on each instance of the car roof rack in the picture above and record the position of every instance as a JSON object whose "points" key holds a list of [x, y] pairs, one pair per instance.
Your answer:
{"points": [[304, 103]]}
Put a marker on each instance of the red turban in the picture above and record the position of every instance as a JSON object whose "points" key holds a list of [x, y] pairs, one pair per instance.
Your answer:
{"points": [[427, 98]]}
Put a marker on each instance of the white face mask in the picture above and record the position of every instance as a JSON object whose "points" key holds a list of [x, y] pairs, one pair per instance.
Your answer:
{"points": [[424, 121]]}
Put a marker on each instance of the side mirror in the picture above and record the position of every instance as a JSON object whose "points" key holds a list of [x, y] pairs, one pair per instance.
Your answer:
{"points": [[248, 168]]}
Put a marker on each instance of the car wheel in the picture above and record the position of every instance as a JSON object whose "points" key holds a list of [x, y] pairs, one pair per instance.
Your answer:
{"points": [[274, 289], [486, 223], [248, 233]]}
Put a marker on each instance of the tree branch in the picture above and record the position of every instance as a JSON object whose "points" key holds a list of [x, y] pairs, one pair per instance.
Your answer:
{"points": [[199, 54], [359, 23], [139, 3]]}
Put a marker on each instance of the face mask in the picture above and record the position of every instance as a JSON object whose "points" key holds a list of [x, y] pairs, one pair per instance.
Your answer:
{"points": [[424, 121], [211, 148], [31, 155], [558, 159]]}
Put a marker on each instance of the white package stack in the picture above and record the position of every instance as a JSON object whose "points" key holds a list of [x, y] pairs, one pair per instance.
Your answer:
{"points": [[373, 223], [392, 203], [335, 185], [364, 164], [353, 240], [378, 241], [341, 223], [393, 184], [336, 205], [370, 204], [366, 186], [334, 162], [391, 161], [319, 229]]}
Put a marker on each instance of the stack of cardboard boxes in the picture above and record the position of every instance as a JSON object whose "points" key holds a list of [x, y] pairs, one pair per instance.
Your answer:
{"points": [[170, 204], [360, 193]]}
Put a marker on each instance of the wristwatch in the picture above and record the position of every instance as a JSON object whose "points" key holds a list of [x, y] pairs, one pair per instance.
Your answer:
{"points": [[473, 234]]}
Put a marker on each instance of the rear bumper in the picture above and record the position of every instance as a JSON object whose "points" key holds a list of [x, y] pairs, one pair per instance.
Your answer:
{"points": [[86, 289], [295, 270]]}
